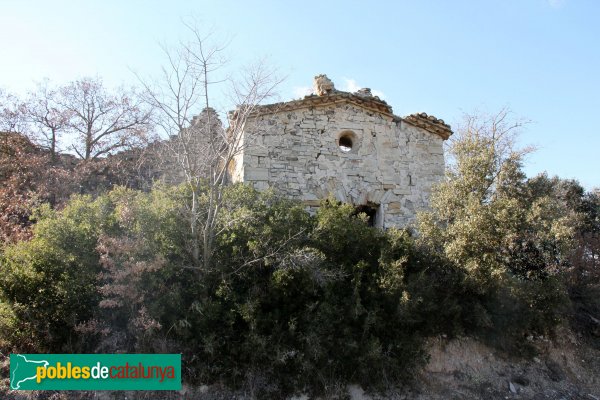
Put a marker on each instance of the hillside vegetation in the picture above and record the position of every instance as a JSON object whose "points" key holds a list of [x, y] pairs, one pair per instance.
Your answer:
{"points": [[293, 302]]}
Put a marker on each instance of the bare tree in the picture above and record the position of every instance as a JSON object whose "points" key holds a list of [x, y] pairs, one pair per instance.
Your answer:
{"points": [[201, 147], [12, 113], [48, 116], [104, 122]]}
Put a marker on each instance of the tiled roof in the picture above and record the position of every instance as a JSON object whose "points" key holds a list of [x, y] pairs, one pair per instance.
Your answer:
{"points": [[367, 102], [370, 103], [430, 124]]}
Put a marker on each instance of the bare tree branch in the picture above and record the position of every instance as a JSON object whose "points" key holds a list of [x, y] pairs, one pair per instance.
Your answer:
{"points": [[49, 119], [12, 113], [105, 122], [196, 140]]}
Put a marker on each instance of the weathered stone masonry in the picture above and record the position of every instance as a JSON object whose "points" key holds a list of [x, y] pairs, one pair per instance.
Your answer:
{"points": [[349, 145]]}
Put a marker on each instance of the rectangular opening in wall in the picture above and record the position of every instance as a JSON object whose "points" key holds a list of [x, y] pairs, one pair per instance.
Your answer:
{"points": [[371, 210]]}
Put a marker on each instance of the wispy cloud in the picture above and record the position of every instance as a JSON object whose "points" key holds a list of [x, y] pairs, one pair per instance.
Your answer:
{"points": [[301, 91], [350, 85], [556, 4]]}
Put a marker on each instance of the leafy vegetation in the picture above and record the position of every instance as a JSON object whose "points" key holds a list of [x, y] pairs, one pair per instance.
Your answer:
{"points": [[513, 237], [297, 302], [294, 300], [31, 176], [49, 281]]}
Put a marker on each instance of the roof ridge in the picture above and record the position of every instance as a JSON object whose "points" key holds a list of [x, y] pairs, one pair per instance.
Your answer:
{"points": [[430, 124], [371, 103]]}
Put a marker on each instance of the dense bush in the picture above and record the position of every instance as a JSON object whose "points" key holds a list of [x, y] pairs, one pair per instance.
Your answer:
{"points": [[510, 238], [50, 281], [581, 275], [321, 313], [294, 302], [297, 302]]}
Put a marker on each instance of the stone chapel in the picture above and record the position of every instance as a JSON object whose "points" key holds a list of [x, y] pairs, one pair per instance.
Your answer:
{"points": [[347, 145]]}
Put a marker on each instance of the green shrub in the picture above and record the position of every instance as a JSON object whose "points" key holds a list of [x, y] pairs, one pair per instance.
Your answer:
{"points": [[291, 302], [509, 236], [50, 281]]}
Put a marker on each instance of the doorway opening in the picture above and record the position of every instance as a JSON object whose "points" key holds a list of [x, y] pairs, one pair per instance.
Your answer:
{"points": [[371, 210]]}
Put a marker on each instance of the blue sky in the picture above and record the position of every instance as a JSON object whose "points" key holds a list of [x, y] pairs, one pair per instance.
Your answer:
{"points": [[541, 58]]}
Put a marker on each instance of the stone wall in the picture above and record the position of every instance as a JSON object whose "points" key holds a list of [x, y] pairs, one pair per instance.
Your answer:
{"points": [[391, 165]]}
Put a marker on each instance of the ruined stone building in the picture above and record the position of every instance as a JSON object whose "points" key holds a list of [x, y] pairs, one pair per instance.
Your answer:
{"points": [[348, 145]]}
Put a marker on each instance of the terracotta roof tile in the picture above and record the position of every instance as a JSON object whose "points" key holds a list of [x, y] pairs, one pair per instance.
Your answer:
{"points": [[430, 124], [370, 103]]}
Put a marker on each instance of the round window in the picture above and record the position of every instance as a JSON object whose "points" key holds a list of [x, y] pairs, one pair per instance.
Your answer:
{"points": [[345, 143]]}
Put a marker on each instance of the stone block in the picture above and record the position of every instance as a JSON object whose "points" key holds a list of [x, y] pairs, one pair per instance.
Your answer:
{"points": [[394, 206], [256, 174]]}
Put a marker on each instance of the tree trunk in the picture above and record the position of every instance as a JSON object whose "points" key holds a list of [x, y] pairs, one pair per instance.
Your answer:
{"points": [[194, 229], [53, 146]]}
